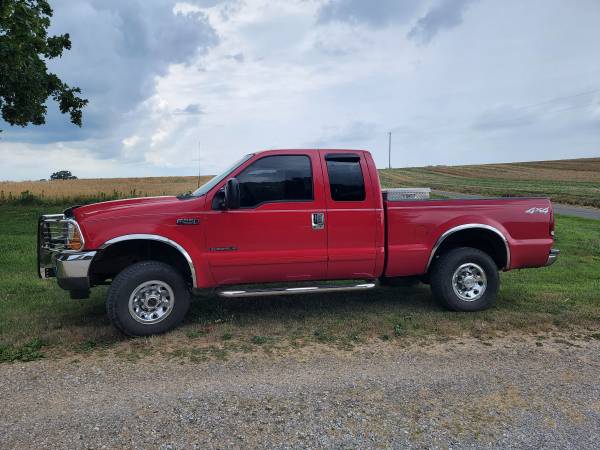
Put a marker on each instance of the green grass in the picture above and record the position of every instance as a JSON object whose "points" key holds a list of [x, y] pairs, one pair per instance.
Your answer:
{"points": [[38, 318]]}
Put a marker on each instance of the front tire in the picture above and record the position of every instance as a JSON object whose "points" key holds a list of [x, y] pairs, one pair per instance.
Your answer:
{"points": [[465, 279], [147, 298]]}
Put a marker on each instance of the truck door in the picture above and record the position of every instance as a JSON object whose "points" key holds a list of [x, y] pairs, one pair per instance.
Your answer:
{"points": [[277, 233], [352, 216]]}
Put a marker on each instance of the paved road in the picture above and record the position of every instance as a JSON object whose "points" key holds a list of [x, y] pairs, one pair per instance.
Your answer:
{"points": [[515, 392], [559, 208]]}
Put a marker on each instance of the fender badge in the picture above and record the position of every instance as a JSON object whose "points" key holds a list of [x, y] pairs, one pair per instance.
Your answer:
{"points": [[537, 210], [187, 221]]}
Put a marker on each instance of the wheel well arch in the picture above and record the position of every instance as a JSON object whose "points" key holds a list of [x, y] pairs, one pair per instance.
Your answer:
{"points": [[118, 253], [483, 237]]}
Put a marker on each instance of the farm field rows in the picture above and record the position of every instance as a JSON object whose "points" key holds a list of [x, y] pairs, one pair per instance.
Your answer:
{"points": [[575, 181], [39, 318]]}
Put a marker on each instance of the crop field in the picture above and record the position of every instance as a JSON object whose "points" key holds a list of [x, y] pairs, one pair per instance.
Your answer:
{"points": [[575, 181], [39, 320], [94, 189]]}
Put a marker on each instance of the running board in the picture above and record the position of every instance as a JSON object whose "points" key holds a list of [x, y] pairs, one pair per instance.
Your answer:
{"points": [[295, 290]]}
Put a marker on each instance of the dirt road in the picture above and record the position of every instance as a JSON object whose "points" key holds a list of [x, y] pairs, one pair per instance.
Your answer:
{"points": [[519, 392]]}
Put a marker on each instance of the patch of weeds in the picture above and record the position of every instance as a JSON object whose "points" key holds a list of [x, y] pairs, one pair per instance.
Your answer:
{"points": [[90, 345], [30, 351], [323, 336], [193, 334], [595, 336], [259, 340], [404, 325], [384, 337], [227, 336], [399, 330], [87, 346]]}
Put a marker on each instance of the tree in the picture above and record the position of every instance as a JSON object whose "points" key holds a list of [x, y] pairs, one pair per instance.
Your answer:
{"points": [[63, 175], [25, 83]]}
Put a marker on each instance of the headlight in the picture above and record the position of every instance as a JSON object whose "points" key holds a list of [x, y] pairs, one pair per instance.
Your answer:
{"points": [[74, 239]]}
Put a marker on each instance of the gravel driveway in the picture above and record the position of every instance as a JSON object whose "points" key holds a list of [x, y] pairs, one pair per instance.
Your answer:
{"points": [[516, 392]]}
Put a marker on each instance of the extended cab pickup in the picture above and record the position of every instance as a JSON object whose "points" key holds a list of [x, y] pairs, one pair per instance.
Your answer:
{"points": [[288, 216]]}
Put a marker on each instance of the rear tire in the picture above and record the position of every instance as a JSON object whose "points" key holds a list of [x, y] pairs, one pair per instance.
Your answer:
{"points": [[146, 298], [465, 279]]}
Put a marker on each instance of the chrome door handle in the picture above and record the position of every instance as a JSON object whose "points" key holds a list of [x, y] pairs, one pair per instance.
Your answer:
{"points": [[318, 220]]}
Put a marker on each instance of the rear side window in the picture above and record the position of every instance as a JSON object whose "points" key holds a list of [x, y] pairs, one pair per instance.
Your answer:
{"points": [[346, 180], [280, 178]]}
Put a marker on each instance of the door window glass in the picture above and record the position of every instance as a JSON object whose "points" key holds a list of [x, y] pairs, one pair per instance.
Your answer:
{"points": [[280, 178], [346, 180]]}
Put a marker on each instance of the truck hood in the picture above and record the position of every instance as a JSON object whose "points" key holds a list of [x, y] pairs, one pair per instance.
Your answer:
{"points": [[129, 207]]}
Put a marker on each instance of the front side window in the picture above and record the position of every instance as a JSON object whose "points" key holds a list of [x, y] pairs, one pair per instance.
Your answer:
{"points": [[280, 178], [346, 179]]}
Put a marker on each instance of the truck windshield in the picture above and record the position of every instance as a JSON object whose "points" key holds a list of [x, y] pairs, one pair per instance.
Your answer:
{"points": [[202, 190]]}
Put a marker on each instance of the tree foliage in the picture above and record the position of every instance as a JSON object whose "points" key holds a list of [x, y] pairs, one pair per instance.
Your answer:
{"points": [[25, 83], [63, 175]]}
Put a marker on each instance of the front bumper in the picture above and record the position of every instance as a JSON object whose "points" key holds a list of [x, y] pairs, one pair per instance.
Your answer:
{"points": [[553, 256], [72, 270]]}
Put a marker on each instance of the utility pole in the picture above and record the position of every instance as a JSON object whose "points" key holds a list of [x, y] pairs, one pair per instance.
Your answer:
{"points": [[390, 150], [198, 163]]}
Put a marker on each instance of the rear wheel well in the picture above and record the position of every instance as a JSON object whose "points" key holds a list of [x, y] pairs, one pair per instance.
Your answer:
{"points": [[480, 238], [116, 257]]}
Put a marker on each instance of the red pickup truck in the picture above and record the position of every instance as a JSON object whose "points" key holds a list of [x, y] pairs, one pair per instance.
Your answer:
{"points": [[288, 216]]}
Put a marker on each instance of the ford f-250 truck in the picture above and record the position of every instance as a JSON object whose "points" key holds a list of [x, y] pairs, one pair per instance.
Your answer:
{"points": [[288, 216]]}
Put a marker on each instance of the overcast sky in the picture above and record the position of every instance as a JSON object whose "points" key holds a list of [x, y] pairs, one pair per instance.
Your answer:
{"points": [[456, 81]]}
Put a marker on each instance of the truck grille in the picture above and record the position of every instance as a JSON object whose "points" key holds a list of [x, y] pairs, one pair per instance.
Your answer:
{"points": [[53, 232]]}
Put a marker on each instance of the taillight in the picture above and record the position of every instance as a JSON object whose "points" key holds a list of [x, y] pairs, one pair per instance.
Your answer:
{"points": [[552, 224]]}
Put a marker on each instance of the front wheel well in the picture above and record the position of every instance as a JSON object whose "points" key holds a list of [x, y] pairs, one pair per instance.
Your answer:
{"points": [[113, 259], [483, 239]]}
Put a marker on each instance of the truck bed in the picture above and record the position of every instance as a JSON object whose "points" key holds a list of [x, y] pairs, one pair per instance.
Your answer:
{"points": [[415, 228]]}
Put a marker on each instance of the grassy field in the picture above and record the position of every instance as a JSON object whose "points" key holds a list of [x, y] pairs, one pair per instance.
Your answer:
{"points": [[575, 181], [39, 319]]}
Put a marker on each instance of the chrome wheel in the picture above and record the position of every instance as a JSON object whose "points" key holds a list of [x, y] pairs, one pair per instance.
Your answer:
{"points": [[151, 302], [469, 282]]}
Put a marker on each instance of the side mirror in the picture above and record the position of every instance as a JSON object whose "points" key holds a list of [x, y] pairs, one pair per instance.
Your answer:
{"points": [[232, 194]]}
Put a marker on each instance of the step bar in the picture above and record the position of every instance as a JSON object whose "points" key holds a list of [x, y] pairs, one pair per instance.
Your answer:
{"points": [[295, 290]]}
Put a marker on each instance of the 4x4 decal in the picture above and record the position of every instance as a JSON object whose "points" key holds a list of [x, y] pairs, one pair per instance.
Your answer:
{"points": [[536, 210]]}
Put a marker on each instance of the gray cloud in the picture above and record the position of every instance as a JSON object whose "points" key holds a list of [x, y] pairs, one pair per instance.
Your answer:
{"points": [[445, 14], [353, 133], [503, 117], [372, 13], [193, 109], [119, 48]]}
